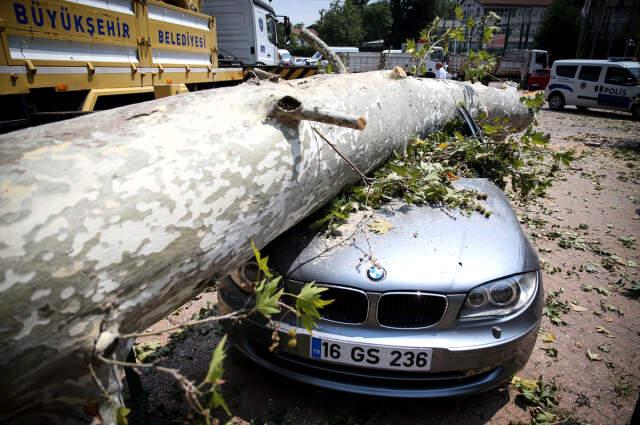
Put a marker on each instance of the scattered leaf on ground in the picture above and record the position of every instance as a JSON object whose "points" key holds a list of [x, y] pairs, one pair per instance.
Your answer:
{"points": [[594, 357], [380, 226]]}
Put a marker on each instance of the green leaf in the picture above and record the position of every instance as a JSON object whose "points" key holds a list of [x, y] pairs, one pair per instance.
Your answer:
{"points": [[121, 415], [459, 12], [218, 401], [539, 138], [308, 301], [215, 374], [487, 35], [216, 365], [262, 262], [544, 417], [533, 102], [268, 296], [411, 46]]}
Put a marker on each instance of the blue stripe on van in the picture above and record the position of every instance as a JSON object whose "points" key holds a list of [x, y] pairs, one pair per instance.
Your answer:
{"points": [[560, 86]]}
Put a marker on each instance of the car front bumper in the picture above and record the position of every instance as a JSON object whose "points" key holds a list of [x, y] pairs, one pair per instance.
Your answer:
{"points": [[467, 357]]}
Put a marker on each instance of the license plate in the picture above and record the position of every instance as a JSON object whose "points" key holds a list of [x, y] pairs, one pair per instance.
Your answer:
{"points": [[372, 356]]}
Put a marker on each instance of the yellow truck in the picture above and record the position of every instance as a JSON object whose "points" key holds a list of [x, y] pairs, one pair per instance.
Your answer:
{"points": [[63, 58]]}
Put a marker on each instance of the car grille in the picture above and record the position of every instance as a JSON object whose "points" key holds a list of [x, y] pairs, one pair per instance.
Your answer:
{"points": [[410, 310], [349, 305]]}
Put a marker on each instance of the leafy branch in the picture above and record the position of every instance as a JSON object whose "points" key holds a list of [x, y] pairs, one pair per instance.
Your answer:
{"points": [[267, 300], [433, 36]]}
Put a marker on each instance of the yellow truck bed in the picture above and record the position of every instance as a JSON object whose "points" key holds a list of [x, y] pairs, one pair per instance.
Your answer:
{"points": [[107, 46]]}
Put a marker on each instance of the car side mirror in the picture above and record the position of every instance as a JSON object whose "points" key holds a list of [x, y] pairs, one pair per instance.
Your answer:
{"points": [[287, 27]]}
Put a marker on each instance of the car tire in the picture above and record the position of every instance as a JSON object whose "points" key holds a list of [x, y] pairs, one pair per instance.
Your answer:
{"points": [[635, 112], [556, 101]]}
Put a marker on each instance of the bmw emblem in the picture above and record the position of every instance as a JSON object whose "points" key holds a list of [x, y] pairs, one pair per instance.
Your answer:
{"points": [[376, 273]]}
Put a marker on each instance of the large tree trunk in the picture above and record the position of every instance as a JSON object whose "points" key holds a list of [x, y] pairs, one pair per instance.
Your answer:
{"points": [[110, 221]]}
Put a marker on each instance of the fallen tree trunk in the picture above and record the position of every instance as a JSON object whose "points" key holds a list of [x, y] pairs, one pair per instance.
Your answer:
{"points": [[110, 221]]}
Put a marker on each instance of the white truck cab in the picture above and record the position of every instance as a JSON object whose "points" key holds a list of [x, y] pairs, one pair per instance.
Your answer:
{"points": [[602, 84], [246, 29]]}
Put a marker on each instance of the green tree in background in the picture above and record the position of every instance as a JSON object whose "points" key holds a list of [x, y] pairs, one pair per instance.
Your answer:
{"points": [[377, 21], [409, 18], [341, 25], [560, 29], [351, 22]]}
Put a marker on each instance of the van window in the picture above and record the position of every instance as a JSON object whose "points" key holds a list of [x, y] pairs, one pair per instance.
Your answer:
{"points": [[436, 55], [619, 76], [568, 71], [590, 73], [541, 59]]}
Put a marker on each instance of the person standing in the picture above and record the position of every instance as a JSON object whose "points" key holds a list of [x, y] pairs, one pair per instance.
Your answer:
{"points": [[441, 74]]}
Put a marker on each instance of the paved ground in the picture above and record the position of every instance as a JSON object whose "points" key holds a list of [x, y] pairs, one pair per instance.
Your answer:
{"points": [[585, 232]]}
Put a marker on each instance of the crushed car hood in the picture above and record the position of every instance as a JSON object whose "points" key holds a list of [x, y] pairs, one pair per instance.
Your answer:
{"points": [[427, 249]]}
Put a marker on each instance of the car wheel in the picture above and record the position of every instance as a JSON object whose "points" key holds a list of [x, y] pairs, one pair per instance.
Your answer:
{"points": [[556, 101], [635, 112]]}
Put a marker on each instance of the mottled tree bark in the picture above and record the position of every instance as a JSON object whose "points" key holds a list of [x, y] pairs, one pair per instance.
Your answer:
{"points": [[110, 221]]}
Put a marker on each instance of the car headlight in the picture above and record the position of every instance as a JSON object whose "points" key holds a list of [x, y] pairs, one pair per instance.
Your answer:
{"points": [[246, 277], [500, 297]]}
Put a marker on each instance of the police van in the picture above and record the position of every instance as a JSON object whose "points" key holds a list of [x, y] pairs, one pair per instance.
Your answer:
{"points": [[601, 84]]}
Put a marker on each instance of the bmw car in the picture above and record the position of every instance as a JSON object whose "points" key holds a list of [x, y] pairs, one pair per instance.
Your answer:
{"points": [[440, 304]]}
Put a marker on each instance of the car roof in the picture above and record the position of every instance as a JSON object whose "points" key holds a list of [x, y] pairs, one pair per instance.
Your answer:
{"points": [[626, 64]]}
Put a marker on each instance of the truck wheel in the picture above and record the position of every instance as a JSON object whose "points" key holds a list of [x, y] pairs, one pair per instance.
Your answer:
{"points": [[556, 102]]}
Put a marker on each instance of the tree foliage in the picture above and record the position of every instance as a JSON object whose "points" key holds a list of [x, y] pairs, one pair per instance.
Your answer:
{"points": [[560, 29], [341, 25], [377, 21], [350, 22], [409, 17], [425, 173]]}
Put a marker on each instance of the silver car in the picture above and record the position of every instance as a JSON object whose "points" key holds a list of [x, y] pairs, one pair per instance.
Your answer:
{"points": [[443, 304]]}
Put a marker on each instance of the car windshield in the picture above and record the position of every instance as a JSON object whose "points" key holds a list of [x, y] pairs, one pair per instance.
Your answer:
{"points": [[316, 55], [635, 71], [285, 55]]}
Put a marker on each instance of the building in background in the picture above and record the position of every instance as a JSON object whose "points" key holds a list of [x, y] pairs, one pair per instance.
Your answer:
{"points": [[520, 21], [609, 28]]}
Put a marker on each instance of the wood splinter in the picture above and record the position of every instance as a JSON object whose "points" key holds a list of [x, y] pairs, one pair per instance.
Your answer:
{"points": [[289, 109]]}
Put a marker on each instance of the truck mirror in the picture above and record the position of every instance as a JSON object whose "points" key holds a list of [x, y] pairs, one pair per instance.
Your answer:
{"points": [[287, 27]]}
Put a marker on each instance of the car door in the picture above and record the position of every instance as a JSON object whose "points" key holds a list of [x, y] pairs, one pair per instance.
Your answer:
{"points": [[564, 81], [588, 77], [617, 89]]}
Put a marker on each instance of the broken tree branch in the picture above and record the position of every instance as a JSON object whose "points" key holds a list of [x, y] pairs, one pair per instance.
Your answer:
{"points": [[327, 52], [364, 178], [290, 109], [229, 316]]}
